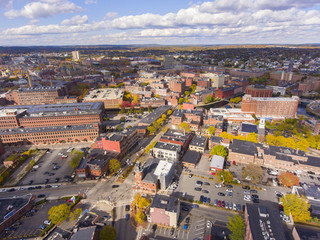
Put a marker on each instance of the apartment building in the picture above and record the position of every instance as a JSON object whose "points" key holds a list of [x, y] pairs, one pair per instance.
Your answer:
{"points": [[168, 151]]}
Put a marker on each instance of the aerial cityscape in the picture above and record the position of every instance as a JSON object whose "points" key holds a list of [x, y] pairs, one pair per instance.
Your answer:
{"points": [[137, 120]]}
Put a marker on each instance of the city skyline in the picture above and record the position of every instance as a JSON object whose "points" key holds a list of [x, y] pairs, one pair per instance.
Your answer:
{"points": [[93, 22]]}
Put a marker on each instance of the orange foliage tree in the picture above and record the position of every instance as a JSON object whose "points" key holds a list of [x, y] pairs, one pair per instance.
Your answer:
{"points": [[288, 179]]}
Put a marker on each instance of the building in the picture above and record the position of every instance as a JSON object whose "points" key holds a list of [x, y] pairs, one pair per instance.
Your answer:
{"points": [[97, 162], [303, 232], [111, 97], [225, 92], [50, 115], [276, 108], [14, 208], [164, 211], [168, 151], [154, 116], [262, 222], [247, 128], [198, 144], [177, 137], [217, 80], [155, 174], [75, 55], [216, 164], [34, 95], [168, 61], [279, 90], [152, 102], [87, 233], [259, 90], [191, 159], [43, 135], [285, 76], [314, 125], [247, 73], [176, 85]]}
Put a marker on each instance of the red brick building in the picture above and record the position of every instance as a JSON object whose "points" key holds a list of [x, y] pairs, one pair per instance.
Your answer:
{"points": [[177, 86], [277, 108], [225, 92], [259, 91]]}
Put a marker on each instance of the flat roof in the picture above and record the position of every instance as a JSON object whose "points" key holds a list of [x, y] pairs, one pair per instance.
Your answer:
{"points": [[45, 129], [198, 141], [103, 94], [84, 233], [217, 162], [167, 146], [37, 89], [191, 157], [156, 114], [169, 203], [163, 168]]}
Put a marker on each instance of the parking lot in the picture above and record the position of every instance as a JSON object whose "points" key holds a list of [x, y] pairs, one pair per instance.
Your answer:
{"points": [[28, 225], [49, 169]]}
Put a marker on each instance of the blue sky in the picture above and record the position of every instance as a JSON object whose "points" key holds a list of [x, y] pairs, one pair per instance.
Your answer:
{"points": [[68, 22]]}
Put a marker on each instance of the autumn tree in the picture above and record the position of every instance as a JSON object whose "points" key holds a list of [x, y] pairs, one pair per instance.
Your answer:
{"points": [[169, 112], [114, 165], [143, 202], [226, 136], [252, 137], [140, 216], [288, 179], [58, 213], [108, 233], [224, 176], [186, 93], [75, 214], [76, 157], [211, 130], [297, 206], [151, 129], [219, 150], [237, 227], [254, 172], [185, 126]]}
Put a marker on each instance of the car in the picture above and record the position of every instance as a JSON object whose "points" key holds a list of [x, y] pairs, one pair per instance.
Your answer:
{"points": [[127, 207], [221, 194], [234, 206], [187, 220], [246, 187], [46, 173], [106, 218], [234, 163], [48, 186], [30, 188], [42, 227], [22, 189], [215, 202], [253, 191], [11, 190], [228, 190], [56, 167], [57, 180], [63, 157], [228, 164], [35, 166], [46, 181], [201, 198], [247, 198], [198, 183], [229, 186], [194, 205], [205, 191], [208, 200], [47, 222], [51, 174], [223, 204], [206, 183], [197, 189], [227, 205], [208, 224], [255, 200], [230, 205], [41, 196], [10, 229], [219, 203], [254, 196], [154, 227], [190, 175], [311, 177], [127, 216], [115, 186], [229, 194], [171, 231], [205, 199], [60, 154], [310, 172], [55, 186], [279, 194], [185, 227], [246, 192], [218, 185], [3, 190], [239, 207], [38, 187], [281, 207], [30, 182], [318, 178], [185, 209]]}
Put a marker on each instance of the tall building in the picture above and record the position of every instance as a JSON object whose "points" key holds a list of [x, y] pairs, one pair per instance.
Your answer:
{"points": [[111, 97], [276, 108], [259, 90], [217, 80], [177, 85], [75, 55], [168, 61]]}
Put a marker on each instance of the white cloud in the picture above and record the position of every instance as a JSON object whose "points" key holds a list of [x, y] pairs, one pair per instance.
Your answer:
{"points": [[43, 8], [111, 15], [90, 2], [76, 20], [6, 3]]}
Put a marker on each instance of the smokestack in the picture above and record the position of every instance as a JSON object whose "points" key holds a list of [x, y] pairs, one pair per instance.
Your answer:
{"points": [[29, 79], [51, 81]]}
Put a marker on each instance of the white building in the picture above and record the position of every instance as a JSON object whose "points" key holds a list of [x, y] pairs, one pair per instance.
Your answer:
{"points": [[168, 151], [277, 89], [75, 55]]}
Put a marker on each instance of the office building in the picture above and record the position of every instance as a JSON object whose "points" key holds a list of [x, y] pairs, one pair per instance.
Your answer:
{"points": [[111, 97], [75, 55], [259, 90]]}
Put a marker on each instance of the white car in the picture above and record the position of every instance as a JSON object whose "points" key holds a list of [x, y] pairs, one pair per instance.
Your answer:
{"points": [[47, 222], [35, 166], [60, 154], [246, 192], [218, 185], [55, 186], [234, 206], [247, 198], [229, 190], [208, 224]]}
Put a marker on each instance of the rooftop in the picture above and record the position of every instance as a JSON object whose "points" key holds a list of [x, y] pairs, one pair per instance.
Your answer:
{"points": [[307, 232], [168, 146], [264, 223], [191, 157], [103, 94], [169, 203], [217, 162], [249, 128], [84, 233], [37, 89], [199, 141], [156, 114], [163, 168]]}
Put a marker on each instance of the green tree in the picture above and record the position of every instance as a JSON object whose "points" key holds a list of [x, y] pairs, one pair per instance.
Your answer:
{"points": [[119, 128], [58, 213], [76, 157], [122, 119], [211, 130], [254, 172], [209, 99], [219, 150], [114, 165], [108, 233], [224, 176], [185, 126], [75, 214], [288, 179], [297, 206], [236, 226]]}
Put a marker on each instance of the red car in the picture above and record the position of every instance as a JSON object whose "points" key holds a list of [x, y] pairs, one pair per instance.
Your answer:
{"points": [[234, 162], [223, 204], [63, 157], [219, 203]]}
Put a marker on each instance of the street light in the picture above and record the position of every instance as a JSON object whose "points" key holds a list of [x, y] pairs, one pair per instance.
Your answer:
{"points": [[222, 179]]}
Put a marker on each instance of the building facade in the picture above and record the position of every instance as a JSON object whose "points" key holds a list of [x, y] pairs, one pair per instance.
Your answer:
{"points": [[259, 91]]}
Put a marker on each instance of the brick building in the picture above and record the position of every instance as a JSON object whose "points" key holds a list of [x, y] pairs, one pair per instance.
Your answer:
{"points": [[56, 134], [285, 76], [259, 90], [277, 108], [111, 97], [35, 95], [177, 86], [176, 137], [191, 159], [153, 102], [225, 92], [198, 144]]}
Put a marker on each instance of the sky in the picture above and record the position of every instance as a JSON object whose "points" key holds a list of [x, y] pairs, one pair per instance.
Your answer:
{"points": [[165, 22]]}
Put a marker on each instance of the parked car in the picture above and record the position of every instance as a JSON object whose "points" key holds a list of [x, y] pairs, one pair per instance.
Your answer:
{"points": [[218, 185], [198, 183], [197, 189], [185, 209], [221, 194], [194, 205], [171, 231], [115, 186], [47, 222], [205, 191], [206, 183], [215, 203], [127, 207], [42, 227], [41, 196], [127, 216]]}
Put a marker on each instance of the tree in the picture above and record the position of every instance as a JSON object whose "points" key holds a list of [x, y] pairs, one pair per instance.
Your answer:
{"points": [[151, 129], [122, 119], [297, 206], [157, 96], [119, 128], [254, 172], [169, 112], [143, 202], [224, 176], [114, 165], [76, 157], [235, 100], [226, 135], [75, 214], [186, 93], [58, 213], [193, 88], [288, 179], [164, 117], [181, 100], [252, 137], [219, 150], [211, 130], [108, 233], [185, 126], [209, 99], [140, 216], [236, 226]]}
